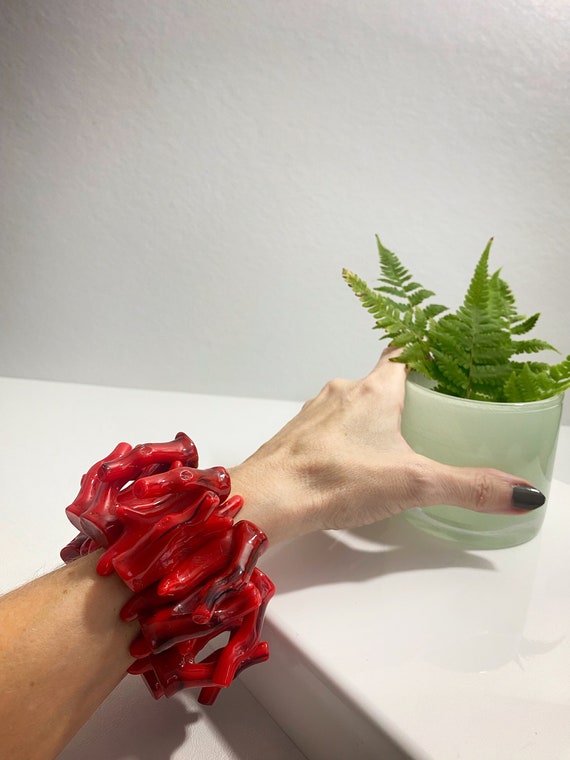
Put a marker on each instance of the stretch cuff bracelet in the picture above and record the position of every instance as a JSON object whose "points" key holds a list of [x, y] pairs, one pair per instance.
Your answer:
{"points": [[168, 531]]}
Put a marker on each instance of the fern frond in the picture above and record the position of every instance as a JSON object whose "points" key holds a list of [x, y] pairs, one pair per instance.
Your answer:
{"points": [[531, 346], [502, 300], [451, 376], [392, 269], [434, 310], [395, 322], [474, 338], [384, 310], [414, 355], [478, 292], [561, 372], [527, 385], [534, 366], [416, 297], [393, 291], [468, 353], [524, 324], [493, 374], [414, 286], [396, 306]]}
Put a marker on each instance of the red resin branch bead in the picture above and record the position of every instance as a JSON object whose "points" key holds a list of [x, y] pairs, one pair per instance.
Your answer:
{"points": [[168, 531], [146, 521], [133, 463], [161, 628], [176, 668], [90, 484], [152, 560], [260, 654], [223, 564], [74, 548], [245, 639]]}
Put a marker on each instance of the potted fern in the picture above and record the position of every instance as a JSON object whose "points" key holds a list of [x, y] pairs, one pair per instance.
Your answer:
{"points": [[472, 398]]}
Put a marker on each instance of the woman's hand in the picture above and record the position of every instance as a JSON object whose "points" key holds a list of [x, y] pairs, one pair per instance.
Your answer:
{"points": [[342, 462]]}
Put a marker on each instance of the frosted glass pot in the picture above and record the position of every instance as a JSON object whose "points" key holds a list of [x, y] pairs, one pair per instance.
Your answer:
{"points": [[518, 438]]}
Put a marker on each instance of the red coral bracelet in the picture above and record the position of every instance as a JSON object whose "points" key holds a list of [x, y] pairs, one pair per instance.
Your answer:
{"points": [[168, 531]]}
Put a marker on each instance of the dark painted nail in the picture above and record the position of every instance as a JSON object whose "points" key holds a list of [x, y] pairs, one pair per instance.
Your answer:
{"points": [[525, 497]]}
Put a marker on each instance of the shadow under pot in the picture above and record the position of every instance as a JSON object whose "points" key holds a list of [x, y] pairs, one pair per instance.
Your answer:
{"points": [[519, 438]]}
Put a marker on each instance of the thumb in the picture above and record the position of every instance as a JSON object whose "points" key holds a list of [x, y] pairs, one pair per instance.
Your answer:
{"points": [[483, 489]]}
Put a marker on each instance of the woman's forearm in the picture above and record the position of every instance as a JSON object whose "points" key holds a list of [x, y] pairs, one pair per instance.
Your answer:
{"points": [[64, 649]]}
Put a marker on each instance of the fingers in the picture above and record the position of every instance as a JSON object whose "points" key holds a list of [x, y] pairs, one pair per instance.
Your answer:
{"points": [[389, 353], [387, 371], [484, 490], [387, 381], [384, 372]]}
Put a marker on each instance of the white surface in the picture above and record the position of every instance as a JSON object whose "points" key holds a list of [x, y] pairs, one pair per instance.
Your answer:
{"points": [[130, 724], [377, 633], [184, 181]]}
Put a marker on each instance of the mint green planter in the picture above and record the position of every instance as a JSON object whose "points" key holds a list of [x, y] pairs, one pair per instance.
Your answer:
{"points": [[517, 438]]}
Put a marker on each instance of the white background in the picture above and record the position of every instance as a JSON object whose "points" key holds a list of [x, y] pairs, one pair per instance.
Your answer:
{"points": [[182, 182]]}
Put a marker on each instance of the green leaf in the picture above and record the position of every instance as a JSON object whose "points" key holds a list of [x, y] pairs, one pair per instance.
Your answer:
{"points": [[527, 385], [468, 353], [524, 325], [531, 346], [561, 372]]}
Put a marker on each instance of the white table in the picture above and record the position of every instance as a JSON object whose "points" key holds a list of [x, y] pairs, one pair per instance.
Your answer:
{"points": [[386, 643]]}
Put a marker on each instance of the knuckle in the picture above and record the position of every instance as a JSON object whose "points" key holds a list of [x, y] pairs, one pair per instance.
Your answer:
{"points": [[420, 481], [337, 388], [482, 490], [336, 385], [367, 385]]}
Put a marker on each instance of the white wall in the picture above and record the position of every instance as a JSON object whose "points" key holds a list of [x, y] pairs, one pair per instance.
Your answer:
{"points": [[182, 182]]}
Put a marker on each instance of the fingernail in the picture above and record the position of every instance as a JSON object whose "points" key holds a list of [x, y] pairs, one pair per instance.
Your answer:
{"points": [[525, 497]]}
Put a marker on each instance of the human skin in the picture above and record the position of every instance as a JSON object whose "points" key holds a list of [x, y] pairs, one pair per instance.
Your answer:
{"points": [[63, 649], [341, 462]]}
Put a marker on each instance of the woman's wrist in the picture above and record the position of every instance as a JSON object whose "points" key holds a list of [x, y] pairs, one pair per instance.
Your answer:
{"points": [[278, 499], [99, 601]]}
